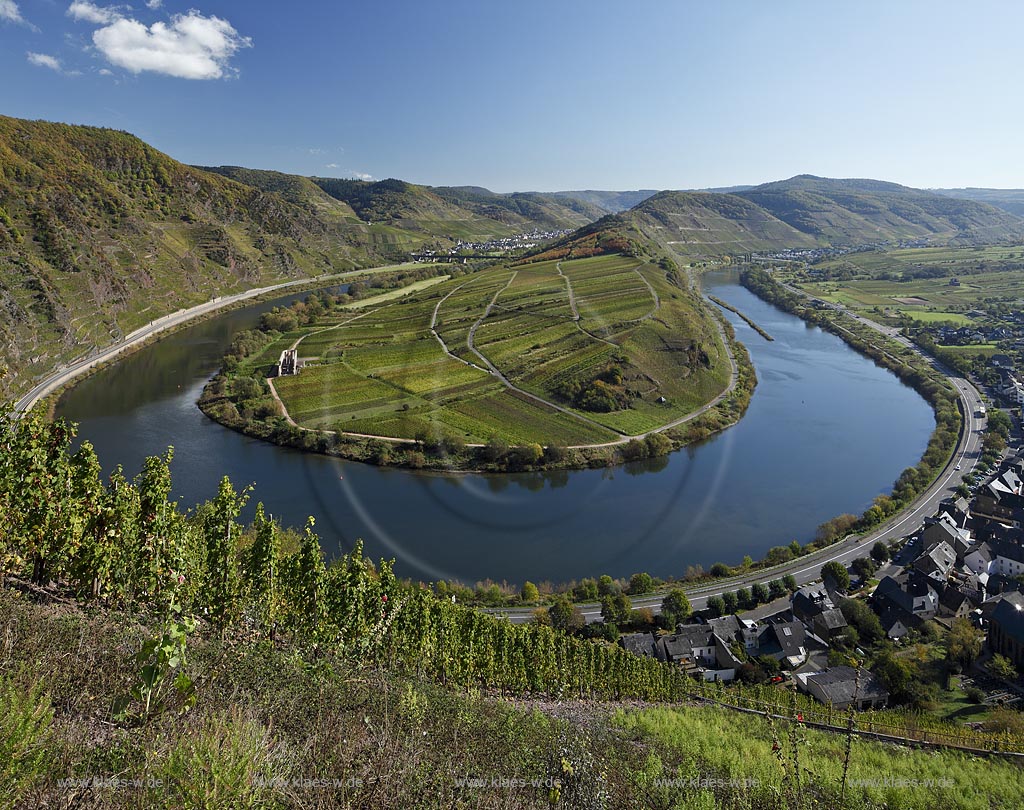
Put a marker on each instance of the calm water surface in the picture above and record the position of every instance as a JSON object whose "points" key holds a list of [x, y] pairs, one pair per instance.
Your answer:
{"points": [[826, 432]]}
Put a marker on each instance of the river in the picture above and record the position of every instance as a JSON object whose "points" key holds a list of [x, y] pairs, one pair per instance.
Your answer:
{"points": [[826, 431]]}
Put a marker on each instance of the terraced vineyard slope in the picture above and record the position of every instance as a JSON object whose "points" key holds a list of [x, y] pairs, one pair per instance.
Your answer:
{"points": [[584, 352], [801, 212]]}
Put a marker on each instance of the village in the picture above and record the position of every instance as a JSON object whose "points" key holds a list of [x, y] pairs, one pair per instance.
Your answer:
{"points": [[491, 248], [954, 583]]}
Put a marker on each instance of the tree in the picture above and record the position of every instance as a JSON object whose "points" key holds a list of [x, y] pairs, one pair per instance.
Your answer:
{"points": [[720, 569], [530, 592], [731, 602], [606, 586], [880, 552], [837, 573], [616, 609], [864, 567], [586, 590], [641, 583], [743, 598], [790, 582], [716, 606], [963, 645], [776, 589], [1002, 667], [565, 615], [862, 619], [675, 607]]}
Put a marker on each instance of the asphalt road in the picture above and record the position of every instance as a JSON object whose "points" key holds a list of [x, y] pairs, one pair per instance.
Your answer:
{"points": [[67, 373], [808, 569]]}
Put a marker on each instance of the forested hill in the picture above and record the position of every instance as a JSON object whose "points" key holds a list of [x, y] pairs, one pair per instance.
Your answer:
{"points": [[801, 212], [101, 233], [1009, 199], [864, 211]]}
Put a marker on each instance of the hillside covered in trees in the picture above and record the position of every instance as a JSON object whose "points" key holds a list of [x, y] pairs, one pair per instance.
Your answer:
{"points": [[800, 213]]}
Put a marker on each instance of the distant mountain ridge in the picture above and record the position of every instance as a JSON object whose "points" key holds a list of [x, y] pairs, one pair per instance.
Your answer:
{"points": [[1009, 199], [802, 212]]}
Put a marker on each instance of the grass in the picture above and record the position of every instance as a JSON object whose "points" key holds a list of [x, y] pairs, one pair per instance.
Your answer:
{"points": [[740, 746], [384, 373], [925, 316], [272, 727]]}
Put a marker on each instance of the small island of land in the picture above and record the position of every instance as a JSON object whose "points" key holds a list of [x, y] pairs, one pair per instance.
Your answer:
{"points": [[512, 366]]}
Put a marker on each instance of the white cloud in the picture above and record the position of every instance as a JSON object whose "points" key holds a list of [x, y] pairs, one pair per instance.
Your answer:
{"points": [[191, 46], [9, 11], [105, 72], [45, 60], [89, 12], [153, 5], [331, 166], [362, 176]]}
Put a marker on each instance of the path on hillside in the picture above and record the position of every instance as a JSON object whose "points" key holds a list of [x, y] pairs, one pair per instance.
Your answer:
{"points": [[512, 386], [808, 568]]}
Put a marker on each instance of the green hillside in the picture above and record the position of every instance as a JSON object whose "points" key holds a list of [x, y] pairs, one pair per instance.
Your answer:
{"points": [[166, 658], [802, 212], [524, 209], [101, 233], [1009, 199], [848, 212]]}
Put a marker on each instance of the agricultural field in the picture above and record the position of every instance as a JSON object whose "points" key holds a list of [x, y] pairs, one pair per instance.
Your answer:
{"points": [[919, 281], [569, 353]]}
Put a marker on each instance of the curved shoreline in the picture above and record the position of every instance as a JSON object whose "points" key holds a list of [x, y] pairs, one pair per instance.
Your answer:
{"points": [[806, 568], [162, 327]]}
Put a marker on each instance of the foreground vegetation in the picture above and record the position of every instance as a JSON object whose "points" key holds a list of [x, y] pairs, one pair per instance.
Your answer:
{"points": [[159, 658], [279, 726]]}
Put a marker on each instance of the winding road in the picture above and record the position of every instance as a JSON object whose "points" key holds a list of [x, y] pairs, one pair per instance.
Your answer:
{"points": [[808, 568], [65, 374]]}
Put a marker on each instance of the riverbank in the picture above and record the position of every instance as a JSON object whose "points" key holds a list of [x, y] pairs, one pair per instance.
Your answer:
{"points": [[915, 495], [243, 398], [49, 390]]}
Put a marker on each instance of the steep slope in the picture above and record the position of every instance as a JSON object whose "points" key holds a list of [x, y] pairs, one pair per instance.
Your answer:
{"points": [[523, 209], [294, 188], [801, 212], [688, 223], [847, 212], [100, 233], [1009, 199], [415, 208]]}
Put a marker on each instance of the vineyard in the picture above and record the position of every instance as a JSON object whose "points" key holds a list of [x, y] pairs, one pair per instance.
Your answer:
{"points": [[226, 657], [125, 544], [552, 353]]}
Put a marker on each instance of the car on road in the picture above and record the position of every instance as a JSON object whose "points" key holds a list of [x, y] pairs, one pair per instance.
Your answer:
{"points": [[958, 466]]}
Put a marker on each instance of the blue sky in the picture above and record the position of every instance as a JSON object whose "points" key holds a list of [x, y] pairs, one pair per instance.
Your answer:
{"points": [[562, 94]]}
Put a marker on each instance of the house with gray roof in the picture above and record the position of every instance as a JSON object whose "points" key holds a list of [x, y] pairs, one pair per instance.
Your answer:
{"points": [[814, 607], [639, 643], [785, 641], [845, 686], [698, 648], [909, 590], [937, 562]]}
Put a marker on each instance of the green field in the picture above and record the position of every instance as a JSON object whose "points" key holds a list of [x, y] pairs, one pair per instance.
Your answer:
{"points": [[919, 282], [379, 369]]}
